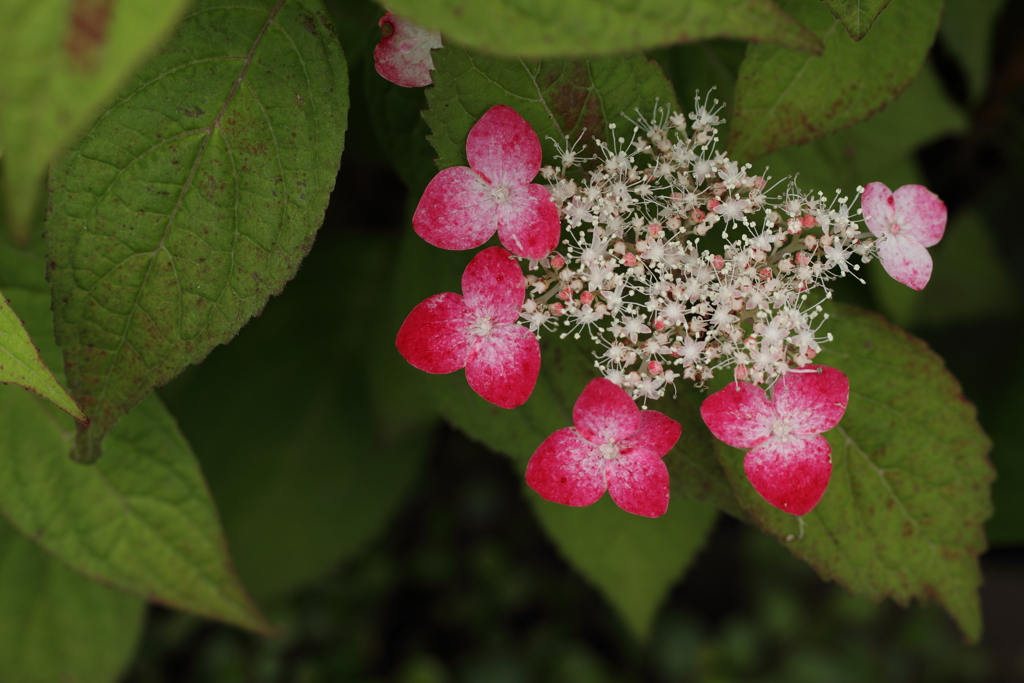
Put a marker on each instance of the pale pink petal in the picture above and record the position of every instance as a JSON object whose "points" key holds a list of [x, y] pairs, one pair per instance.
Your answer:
{"points": [[739, 415], [494, 286], [604, 413], [638, 483], [879, 208], [812, 399], [657, 434], [503, 365], [790, 474], [503, 148], [435, 337], [528, 222], [567, 469], [906, 260], [920, 214], [403, 54], [456, 210]]}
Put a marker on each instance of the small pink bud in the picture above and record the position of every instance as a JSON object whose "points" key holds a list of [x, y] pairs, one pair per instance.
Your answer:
{"points": [[718, 262], [565, 294], [802, 258], [557, 261], [557, 309], [654, 230], [712, 203], [740, 373], [697, 215], [808, 220], [654, 367], [766, 273], [629, 259], [586, 298], [659, 324]]}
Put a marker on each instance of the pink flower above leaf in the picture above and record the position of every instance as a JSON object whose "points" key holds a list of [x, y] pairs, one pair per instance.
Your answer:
{"points": [[906, 221], [403, 54], [477, 331], [789, 463], [614, 446], [462, 207]]}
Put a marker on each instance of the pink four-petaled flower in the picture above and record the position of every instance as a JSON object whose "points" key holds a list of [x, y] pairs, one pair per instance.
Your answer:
{"points": [[477, 330], [614, 446], [789, 463], [906, 221], [403, 54], [462, 207]]}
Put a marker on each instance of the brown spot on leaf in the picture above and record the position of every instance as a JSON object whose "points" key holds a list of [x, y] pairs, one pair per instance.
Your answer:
{"points": [[87, 31], [309, 24], [194, 112]]}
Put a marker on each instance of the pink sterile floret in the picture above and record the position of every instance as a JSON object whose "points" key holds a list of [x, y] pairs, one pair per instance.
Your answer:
{"points": [[478, 331], [789, 463], [403, 54], [906, 221], [462, 207], [614, 446]]}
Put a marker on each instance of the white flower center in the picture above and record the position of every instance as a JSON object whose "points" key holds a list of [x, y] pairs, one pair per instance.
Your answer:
{"points": [[781, 429], [500, 194], [609, 451], [482, 326], [896, 228]]}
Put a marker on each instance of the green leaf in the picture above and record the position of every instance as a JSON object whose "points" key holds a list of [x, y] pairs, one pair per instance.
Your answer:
{"points": [[193, 199], [632, 560], [558, 97], [142, 520], [856, 15], [20, 364], [967, 31], [573, 28], [304, 470], [903, 514], [786, 98], [56, 625], [566, 368], [59, 61]]}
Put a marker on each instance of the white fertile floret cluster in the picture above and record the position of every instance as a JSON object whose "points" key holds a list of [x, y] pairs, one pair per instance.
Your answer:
{"points": [[679, 263]]}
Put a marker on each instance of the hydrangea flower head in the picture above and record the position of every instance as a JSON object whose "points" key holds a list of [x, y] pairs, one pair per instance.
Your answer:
{"points": [[477, 330], [614, 446], [463, 206], [908, 220], [789, 463], [403, 54]]}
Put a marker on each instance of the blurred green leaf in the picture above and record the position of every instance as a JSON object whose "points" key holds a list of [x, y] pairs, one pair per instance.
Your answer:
{"points": [[303, 469], [904, 512], [1007, 525], [632, 560], [20, 364], [558, 97], [788, 98], [142, 520], [59, 61], [56, 625], [539, 28], [856, 15], [193, 199], [967, 31]]}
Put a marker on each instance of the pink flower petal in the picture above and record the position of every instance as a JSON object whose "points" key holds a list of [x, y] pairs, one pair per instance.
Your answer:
{"points": [[879, 208], [502, 366], [638, 483], [604, 413], [906, 260], [739, 415], [494, 286], [656, 435], [403, 54], [503, 148], [528, 222], [920, 214], [790, 474], [812, 402], [434, 336], [567, 469], [456, 210]]}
